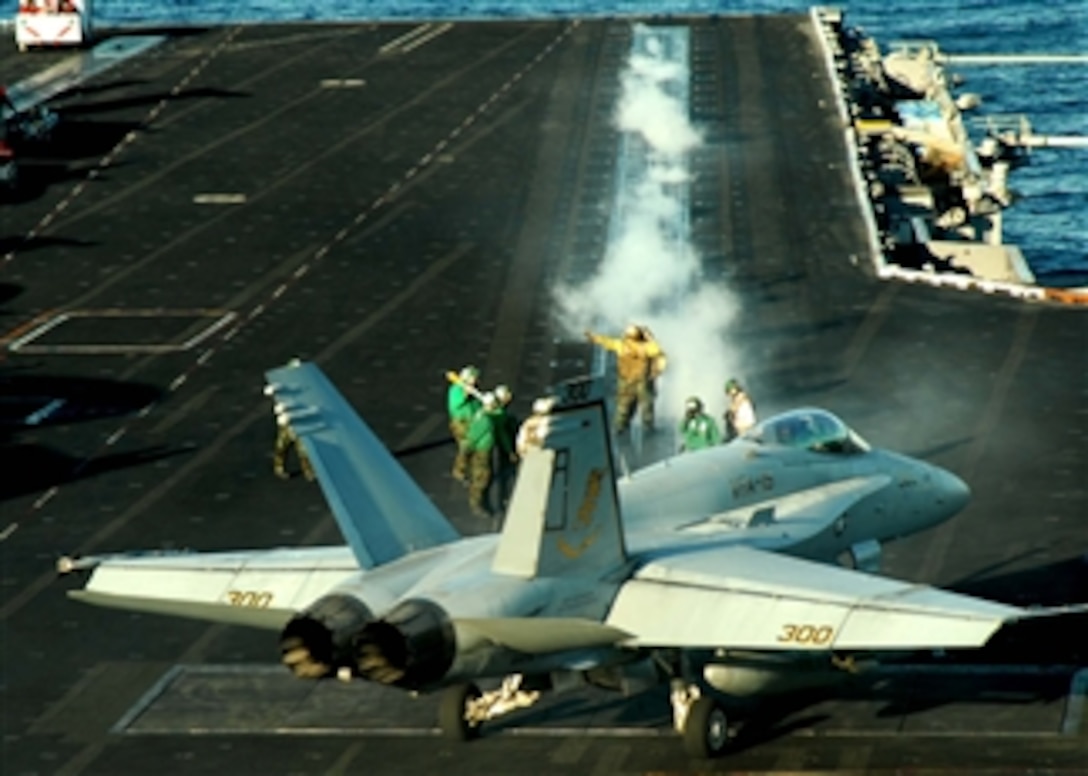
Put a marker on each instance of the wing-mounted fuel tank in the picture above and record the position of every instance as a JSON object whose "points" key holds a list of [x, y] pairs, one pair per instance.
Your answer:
{"points": [[744, 676]]}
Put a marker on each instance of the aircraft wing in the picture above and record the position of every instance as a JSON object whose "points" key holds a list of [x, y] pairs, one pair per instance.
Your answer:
{"points": [[261, 588], [745, 598]]}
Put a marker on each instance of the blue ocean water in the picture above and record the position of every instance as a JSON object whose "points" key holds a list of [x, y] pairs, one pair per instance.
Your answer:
{"points": [[1049, 219]]}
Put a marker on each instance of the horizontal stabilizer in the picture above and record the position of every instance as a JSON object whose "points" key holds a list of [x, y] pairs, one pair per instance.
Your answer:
{"points": [[743, 598], [1044, 612], [381, 511]]}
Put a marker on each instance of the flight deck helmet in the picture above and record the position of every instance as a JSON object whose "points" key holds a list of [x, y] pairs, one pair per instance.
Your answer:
{"points": [[543, 405], [469, 375], [693, 405], [732, 385]]}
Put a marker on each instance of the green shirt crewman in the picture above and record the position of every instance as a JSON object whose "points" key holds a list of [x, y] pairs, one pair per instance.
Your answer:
{"points": [[462, 403], [478, 447], [698, 430]]}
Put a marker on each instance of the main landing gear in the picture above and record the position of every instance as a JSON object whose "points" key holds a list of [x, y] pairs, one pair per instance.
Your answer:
{"points": [[700, 721], [463, 708]]}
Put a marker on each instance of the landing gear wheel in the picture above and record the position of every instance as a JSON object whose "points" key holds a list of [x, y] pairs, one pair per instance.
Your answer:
{"points": [[706, 730], [452, 709]]}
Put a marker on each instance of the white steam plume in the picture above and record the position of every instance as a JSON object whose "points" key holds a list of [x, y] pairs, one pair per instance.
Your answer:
{"points": [[650, 273]]}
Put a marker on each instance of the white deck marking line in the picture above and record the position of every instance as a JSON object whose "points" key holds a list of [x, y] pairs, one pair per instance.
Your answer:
{"points": [[145, 700], [23, 343], [442, 29], [219, 198], [342, 83], [407, 37]]}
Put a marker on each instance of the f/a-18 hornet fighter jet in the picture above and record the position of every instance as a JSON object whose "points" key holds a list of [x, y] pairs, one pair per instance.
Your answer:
{"points": [[714, 571]]}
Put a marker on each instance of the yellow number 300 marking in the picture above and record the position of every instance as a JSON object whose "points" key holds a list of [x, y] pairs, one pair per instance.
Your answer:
{"points": [[806, 634], [256, 599]]}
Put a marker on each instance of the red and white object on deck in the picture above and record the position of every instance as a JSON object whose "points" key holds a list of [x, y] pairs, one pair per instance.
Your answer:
{"points": [[52, 23]]}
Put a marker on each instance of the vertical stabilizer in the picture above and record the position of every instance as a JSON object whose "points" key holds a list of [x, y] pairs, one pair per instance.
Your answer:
{"points": [[381, 511], [564, 516]]}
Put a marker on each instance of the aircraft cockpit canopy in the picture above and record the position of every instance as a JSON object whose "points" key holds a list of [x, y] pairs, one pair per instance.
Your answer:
{"points": [[808, 429]]}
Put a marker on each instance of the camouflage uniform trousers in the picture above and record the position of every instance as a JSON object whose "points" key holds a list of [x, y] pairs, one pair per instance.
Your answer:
{"points": [[631, 395], [460, 462], [479, 467], [286, 439], [730, 427], [505, 467]]}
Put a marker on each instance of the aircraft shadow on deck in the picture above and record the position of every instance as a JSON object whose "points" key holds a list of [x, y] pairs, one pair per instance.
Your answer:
{"points": [[910, 692], [86, 90], [1053, 584], [1038, 641], [80, 137], [24, 245], [54, 165], [8, 291], [899, 691], [915, 693], [33, 468], [72, 112], [76, 139], [30, 402]]}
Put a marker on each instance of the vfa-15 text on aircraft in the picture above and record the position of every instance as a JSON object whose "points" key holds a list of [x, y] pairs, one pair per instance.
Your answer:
{"points": [[709, 570]]}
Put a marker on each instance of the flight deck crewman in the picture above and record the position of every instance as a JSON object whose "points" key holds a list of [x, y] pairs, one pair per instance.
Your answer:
{"points": [[532, 431], [479, 444], [639, 362], [462, 402], [506, 457], [697, 429], [741, 412], [286, 440]]}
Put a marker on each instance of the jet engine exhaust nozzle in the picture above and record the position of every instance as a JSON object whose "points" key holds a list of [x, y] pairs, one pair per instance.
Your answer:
{"points": [[318, 641], [412, 646]]}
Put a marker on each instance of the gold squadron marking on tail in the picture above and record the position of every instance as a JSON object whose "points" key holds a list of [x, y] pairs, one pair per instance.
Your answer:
{"points": [[585, 516]]}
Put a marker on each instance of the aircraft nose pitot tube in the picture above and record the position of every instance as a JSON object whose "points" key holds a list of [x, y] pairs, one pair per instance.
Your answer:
{"points": [[318, 641], [412, 646]]}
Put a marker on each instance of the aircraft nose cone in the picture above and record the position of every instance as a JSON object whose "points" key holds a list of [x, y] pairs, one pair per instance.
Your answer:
{"points": [[952, 492]]}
